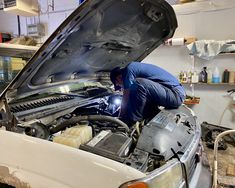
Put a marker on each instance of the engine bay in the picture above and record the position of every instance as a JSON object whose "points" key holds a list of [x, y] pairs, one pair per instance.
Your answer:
{"points": [[90, 123]]}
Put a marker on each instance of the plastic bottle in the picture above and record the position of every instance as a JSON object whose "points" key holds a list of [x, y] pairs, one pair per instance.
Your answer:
{"points": [[185, 78], [226, 76], [231, 77], [203, 75], [181, 76], [195, 77], [216, 76], [189, 75], [209, 76]]}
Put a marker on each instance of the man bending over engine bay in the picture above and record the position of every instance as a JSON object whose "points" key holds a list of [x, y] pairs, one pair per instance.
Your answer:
{"points": [[145, 88]]}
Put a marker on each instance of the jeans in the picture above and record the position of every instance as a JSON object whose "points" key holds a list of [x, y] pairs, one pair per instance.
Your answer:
{"points": [[146, 96]]}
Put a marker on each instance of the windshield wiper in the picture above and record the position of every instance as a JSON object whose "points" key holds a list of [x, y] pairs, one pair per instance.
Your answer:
{"points": [[70, 94]]}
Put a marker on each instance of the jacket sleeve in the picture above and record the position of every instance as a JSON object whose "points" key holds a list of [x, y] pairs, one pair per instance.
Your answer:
{"points": [[130, 74]]}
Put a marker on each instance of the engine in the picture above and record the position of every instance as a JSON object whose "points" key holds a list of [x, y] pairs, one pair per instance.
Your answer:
{"points": [[144, 146], [93, 126]]}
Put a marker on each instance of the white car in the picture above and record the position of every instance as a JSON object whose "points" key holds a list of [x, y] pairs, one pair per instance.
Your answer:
{"points": [[60, 111]]}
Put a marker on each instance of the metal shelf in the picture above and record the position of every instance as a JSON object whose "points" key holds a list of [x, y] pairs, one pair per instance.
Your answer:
{"points": [[226, 53], [212, 84], [192, 102], [16, 50]]}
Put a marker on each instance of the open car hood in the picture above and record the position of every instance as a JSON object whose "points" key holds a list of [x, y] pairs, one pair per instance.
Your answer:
{"points": [[98, 36]]}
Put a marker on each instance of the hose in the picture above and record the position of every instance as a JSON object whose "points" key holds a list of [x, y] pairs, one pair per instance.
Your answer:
{"points": [[88, 118], [215, 171]]}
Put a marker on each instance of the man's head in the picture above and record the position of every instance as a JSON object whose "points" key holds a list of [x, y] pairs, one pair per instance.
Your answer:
{"points": [[116, 78]]}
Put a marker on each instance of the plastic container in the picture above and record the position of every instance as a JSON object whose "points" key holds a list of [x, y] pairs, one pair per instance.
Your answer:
{"points": [[226, 76], [185, 78], [181, 76], [195, 77], [209, 76], [231, 77], [189, 76], [216, 76], [203, 75]]}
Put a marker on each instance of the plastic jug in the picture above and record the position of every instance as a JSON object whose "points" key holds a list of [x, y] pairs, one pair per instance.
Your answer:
{"points": [[216, 76]]}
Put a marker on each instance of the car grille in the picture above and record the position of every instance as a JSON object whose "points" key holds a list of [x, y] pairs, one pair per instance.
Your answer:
{"points": [[39, 103], [191, 167]]}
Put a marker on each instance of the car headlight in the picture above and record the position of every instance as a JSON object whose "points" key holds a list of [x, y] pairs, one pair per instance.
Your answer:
{"points": [[167, 176]]}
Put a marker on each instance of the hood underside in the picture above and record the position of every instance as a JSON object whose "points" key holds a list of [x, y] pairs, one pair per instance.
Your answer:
{"points": [[98, 36]]}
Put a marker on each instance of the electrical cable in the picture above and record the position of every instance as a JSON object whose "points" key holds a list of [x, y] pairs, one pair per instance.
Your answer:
{"points": [[52, 6], [77, 119], [217, 142], [215, 169], [222, 115], [18, 22], [227, 107], [183, 168]]}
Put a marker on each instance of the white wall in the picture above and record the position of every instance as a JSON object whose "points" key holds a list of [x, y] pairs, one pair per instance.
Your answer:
{"points": [[51, 19], [205, 21]]}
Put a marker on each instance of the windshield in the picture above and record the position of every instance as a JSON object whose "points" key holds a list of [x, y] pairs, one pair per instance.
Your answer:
{"points": [[68, 88], [81, 90]]}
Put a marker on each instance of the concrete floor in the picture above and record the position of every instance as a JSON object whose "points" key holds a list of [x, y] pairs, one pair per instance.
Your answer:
{"points": [[225, 158]]}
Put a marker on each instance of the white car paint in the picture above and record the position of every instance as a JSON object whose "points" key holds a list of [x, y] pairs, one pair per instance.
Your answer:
{"points": [[35, 163]]}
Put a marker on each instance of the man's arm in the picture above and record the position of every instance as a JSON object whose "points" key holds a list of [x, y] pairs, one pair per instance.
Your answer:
{"points": [[129, 75], [125, 99]]}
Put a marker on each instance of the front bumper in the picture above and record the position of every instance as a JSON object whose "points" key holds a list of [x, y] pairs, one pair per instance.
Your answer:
{"points": [[202, 175]]}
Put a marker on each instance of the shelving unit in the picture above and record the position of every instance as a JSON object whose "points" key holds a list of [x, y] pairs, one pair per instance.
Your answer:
{"points": [[192, 101], [211, 84], [12, 50], [16, 50], [196, 100], [225, 54]]}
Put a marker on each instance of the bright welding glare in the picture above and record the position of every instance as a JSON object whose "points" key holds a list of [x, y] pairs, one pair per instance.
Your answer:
{"points": [[117, 101]]}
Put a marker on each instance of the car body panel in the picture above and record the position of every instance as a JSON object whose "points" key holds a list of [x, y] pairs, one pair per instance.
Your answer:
{"points": [[202, 176], [39, 163], [98, 36]]}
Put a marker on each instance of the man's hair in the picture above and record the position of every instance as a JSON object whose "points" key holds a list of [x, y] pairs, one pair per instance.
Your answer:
{"points": [[113, 75]]}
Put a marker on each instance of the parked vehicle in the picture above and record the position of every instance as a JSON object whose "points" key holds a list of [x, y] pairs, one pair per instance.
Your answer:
{"points": [[65, 88]]}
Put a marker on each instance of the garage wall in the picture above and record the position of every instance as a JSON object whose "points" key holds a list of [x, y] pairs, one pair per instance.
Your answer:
{"points": [[50, 18], [204, 20]]}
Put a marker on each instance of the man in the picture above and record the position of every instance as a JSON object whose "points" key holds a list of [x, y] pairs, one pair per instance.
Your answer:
{"points": [[145, 88]]}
